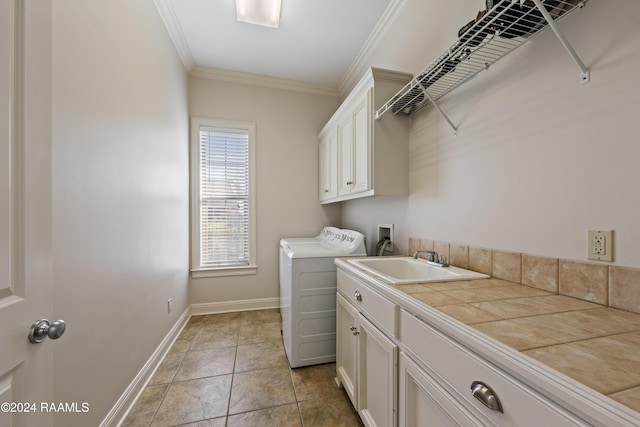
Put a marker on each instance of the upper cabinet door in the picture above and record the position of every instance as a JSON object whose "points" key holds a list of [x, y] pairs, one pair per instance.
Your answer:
{"points": [[362, 144]]}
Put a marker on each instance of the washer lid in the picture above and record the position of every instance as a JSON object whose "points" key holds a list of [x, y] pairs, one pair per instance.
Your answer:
{"points": [[317, 251], [331, 242]]}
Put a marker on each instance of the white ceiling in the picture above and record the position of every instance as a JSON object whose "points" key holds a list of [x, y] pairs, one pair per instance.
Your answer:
{"points": [[317, 43]]}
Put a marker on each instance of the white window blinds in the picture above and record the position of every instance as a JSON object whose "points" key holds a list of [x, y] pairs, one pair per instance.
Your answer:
{"points": [[224, 197]]}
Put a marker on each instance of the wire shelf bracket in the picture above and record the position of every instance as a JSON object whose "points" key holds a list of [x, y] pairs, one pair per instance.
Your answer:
{"points": [[496, 33], [585, 76], [435, 104]]}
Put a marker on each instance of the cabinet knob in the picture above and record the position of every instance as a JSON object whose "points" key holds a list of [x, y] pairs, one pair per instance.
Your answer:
{"points": [[354, 330], [349, 182], [357, 295], [484, 394]]}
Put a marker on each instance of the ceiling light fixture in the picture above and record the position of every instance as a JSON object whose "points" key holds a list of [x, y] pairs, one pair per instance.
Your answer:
{"points": [[259, 12]]}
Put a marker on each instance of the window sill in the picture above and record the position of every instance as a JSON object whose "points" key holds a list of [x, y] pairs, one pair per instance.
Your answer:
{"points": [[224, 271]]}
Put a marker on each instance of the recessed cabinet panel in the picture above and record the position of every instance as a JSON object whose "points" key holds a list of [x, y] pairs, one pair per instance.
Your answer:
{"points": [[424, 403], [329, 167], [345, 144], [346, 324]]}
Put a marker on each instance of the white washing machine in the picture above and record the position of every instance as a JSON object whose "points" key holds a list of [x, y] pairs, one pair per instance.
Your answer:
{"points": [[308, 293]]}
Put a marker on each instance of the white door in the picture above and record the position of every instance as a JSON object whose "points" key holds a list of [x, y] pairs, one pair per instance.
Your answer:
{"points": [[346, 347], [26, 377], [377, 376]]}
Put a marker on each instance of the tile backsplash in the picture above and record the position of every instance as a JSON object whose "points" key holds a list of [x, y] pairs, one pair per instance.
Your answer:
{"points": [[608, 285]]}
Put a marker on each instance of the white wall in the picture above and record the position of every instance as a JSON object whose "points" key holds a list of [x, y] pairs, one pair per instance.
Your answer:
{"points": [[539, 158], [287, 124], [120, 196]]}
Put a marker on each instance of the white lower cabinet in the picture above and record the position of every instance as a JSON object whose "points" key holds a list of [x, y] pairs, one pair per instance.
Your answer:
{"points": [[366, 365], [400, 370]]}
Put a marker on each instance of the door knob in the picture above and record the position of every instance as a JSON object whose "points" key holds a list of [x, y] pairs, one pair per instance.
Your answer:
{"points": [[42, 329]]}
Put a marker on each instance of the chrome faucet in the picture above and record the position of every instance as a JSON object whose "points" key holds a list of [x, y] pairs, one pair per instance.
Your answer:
{"points": [[433, 258], [431, 255]]}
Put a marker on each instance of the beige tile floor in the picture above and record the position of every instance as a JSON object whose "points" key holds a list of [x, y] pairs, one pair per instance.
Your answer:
{"points": [[231, 370]]}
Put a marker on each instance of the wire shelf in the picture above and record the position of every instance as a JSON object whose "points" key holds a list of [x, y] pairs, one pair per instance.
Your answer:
{"points": [[505, 27]]}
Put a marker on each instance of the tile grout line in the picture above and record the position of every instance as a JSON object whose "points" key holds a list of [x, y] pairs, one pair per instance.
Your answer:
{"points": [[170, 383], [233, 372], [293, 384]]}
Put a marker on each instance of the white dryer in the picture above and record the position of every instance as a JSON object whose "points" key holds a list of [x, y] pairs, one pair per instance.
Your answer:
{"points": [[308, 293]]}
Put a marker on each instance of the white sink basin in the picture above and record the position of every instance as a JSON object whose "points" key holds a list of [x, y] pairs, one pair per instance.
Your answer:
{"points": [[399, 271]]}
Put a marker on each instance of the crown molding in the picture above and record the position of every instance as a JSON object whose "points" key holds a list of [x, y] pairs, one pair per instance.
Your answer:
{"points": [[360, 63], [166, 12], [260, 80], [352, 76]]}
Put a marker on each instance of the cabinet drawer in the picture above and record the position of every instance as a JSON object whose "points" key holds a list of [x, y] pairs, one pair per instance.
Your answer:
{"points": [[457, 368], [379, 309]]}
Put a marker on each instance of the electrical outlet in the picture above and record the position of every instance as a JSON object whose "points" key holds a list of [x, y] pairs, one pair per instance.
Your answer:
{"points": [[169, 305], [600, 244]]}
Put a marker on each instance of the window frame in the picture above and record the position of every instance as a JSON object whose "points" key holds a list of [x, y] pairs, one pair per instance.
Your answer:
{"points": [[197, 270]]}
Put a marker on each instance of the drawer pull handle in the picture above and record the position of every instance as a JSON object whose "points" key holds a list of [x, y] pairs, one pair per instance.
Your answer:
{"points": [[484, 394], [357, 295]]}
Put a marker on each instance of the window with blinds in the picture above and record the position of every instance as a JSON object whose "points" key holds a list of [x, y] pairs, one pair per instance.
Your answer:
{"points": [[224, 200], [224, 197]]}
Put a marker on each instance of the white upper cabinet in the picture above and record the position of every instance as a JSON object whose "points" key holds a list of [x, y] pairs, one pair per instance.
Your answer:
{"points": [[372, 155]]}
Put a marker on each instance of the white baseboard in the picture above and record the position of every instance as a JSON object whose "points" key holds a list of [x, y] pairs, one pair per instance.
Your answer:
{"points": [[118, 413], [231, 306]]}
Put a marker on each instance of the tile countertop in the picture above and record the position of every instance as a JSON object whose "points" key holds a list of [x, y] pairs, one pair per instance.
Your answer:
{"points": [[595, 345]]}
